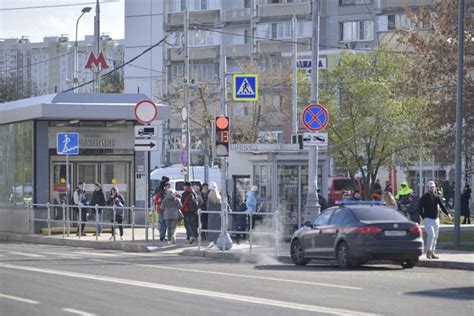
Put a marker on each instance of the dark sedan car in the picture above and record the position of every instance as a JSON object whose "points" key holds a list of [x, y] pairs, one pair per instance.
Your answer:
{"points": [[356, 234]]}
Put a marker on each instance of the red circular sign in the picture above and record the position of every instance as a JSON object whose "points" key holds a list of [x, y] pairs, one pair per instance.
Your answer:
{"points": [[315, 117], [145, 111]]}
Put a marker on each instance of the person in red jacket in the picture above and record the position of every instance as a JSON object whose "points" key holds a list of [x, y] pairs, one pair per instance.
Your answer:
{"points": [[189, 210], [159, 196]]}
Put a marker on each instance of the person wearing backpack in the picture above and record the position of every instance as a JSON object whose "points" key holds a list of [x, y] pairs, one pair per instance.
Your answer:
{"points": [[189, 210]]}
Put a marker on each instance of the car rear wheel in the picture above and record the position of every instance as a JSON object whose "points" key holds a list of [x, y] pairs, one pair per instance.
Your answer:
{"points": [[344, 258], [297, 253], [408, 263]]}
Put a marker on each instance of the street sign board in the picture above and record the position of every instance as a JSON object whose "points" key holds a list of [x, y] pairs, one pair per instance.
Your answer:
{"points": [[245, 87], [146, 145], [315, 139], [145, 111], [67, 143], [315, 117], [146, 131]]}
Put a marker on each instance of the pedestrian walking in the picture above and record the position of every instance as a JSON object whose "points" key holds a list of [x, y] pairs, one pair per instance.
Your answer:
{"points": [[322, 201], [160, 193], [117, 200], [189, 209], [465, 200], [251, 203], [170, 207], [403, 197], [390, 200], [412, 208], [204, 216], [240, 223], [428, 210], [214, 200], [98, 199], [80, 199]]}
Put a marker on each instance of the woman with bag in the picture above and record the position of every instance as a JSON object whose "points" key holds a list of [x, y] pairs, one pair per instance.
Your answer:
{"points": [[118, 201], [170, 206]]}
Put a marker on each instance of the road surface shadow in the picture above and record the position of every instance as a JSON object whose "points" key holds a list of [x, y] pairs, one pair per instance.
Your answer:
{"points": [[324, 267], [455, 293]]}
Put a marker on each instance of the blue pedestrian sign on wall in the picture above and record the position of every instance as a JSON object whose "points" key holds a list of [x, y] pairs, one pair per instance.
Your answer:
{"points": [[245, 87], [67, 143]]}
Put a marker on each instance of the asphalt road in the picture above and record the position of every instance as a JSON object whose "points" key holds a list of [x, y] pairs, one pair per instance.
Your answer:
{"points": [[53, 280]]}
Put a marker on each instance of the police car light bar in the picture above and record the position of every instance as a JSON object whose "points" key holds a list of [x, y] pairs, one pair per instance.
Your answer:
{"points": [[354, 202]]}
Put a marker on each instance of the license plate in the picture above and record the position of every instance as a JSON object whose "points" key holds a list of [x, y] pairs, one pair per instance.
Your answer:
{"points": [[397, 233]]}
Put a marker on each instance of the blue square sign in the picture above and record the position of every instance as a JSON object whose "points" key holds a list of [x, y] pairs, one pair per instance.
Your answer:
{"points": [[245, 87], [67, 144]]}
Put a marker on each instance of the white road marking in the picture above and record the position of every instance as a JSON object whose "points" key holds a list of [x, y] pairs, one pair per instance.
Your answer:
{"points": [[31, 255], [77, 312], [252, 277], [193, 291], [97, 254], [63, 255], [20, 299]]}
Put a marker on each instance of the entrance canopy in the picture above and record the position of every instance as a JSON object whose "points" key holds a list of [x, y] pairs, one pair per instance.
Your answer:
{"points": [[81, 106]]}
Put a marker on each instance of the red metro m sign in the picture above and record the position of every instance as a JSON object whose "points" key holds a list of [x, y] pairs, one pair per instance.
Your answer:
{"points": [[96, 64]]}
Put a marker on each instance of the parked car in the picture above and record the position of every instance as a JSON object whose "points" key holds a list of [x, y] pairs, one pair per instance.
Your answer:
{"points": [[340, 188], [355, 234]]}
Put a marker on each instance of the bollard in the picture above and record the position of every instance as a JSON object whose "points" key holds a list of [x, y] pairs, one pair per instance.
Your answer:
{"points": [[64, 219], [199, 229], [79, 221], [30, 208], [48, 216], [68, 216], [113, 222], [251, 231], [133, 222], [277, 235], [96, 221]]}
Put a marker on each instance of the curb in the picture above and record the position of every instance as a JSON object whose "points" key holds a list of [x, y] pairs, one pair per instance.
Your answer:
{"points": [[258, 258], [117, 245]]}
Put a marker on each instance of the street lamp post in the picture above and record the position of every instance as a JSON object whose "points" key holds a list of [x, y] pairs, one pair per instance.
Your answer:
{"points": [[75, 65]]}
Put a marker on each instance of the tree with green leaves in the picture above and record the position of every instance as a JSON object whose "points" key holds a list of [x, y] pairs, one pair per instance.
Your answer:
{"points": [[372, 120]]}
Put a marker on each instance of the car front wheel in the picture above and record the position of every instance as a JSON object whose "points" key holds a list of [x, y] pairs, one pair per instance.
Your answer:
{"points": [[344, 258], [297, 253]]}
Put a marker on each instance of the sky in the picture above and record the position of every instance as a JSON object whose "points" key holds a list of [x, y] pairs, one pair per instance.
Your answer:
{"points": [[36, 23]]}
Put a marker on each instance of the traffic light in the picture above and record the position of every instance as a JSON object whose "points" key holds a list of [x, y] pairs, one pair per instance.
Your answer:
{"points": [[222, 136]]}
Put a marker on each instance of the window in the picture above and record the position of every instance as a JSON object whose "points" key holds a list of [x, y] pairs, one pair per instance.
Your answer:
{"points": [[201, 38], [247, 4], [246, 37], [349, 2], [373, 213], [397, 22], [357, 31], [323, 219]]}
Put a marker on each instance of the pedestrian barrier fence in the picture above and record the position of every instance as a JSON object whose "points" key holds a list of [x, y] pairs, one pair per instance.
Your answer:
{"points": [[251, 232], [66, 220]]}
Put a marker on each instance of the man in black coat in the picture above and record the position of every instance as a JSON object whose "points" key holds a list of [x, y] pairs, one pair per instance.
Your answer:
{"points": [[98, 198], [428, 210]]}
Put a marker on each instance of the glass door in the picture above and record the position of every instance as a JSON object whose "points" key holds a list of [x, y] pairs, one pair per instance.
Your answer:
{"points": [[116, 174], [58, 192], [87, 172]]}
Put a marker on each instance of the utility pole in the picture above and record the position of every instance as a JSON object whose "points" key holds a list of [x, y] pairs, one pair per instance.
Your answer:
{"points": [[97, 43], [312, 207], [295, 78], [459, 119], [186, 89]]}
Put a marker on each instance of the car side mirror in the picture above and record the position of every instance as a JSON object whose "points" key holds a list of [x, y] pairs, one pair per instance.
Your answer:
{"points": [[308, 224]]}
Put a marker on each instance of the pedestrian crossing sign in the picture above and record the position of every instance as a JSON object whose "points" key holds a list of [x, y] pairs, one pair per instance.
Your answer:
{"points": [[245, 87]]}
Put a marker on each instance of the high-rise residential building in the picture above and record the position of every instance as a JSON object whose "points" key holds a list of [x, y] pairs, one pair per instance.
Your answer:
{"points": [[47, 67], [243, 30]]}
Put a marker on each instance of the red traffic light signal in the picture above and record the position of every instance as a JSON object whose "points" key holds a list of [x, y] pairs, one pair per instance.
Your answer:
{"points": [[222, 136]]}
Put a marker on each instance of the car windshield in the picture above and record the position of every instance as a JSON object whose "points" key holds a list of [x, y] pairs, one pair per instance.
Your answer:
{"points": [[374, 213], [345, 184]]}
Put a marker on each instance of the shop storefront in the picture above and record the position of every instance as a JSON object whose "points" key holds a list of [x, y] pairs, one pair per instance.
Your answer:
{"points": [[280, 172], [32, 171]]}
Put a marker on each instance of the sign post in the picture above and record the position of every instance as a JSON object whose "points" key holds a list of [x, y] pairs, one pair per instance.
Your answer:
{"points": [[315, 117], [145, 140], [67, 144]]}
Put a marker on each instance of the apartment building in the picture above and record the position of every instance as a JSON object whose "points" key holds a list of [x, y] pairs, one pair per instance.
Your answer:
{"points": [[47, 67], [241, 30]]}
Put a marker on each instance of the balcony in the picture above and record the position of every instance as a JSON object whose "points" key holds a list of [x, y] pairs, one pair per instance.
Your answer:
{"points": [[238, 50], [381, 5], [195, 53], [268, 47], [203, 17], [278, 10], [237, 15]]}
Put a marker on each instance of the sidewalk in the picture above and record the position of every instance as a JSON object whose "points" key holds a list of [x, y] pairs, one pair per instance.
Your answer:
{"points": [[449, 259]]}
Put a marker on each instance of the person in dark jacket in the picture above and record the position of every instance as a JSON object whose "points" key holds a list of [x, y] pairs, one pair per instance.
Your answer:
{"points": [[190, 214], [117, 200], [204, 216], [413, 207], [465, 199], [322, 201], [170, 207], [98, 198], [80, 199], [428, 210]]}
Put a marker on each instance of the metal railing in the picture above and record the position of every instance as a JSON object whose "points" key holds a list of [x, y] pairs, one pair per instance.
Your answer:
{"points": [[251, 232], [66, 220]]}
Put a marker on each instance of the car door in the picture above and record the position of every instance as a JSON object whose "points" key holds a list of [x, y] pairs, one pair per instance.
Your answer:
{"points": [[311, 236], [330, 232]]}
